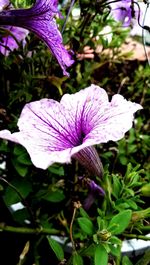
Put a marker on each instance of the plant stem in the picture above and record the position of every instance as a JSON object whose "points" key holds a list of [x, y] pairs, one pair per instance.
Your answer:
{"points": [[145, 228], [27, 230], [136, 236], [77, 205], [71, 225]]}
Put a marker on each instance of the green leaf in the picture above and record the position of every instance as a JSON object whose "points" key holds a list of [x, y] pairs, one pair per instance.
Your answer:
{"points": [[54, 196], [86, 225], [56, 247], [88, 251], [22, 3], [115, 240], [21, 215], [21, 169], [145, 258], [24, 159], [77, 259], [56, 169], [23, 187], [19, 150], [102, 224], [83, 212], [115, 250], [120, 222], [100, 255], [21, 155], [132, 204], [117, 187]]}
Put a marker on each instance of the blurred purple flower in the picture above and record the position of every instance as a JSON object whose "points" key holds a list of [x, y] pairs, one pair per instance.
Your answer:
{"points": [[40, 20], [54, 132], [3, 4], [10, 42], [12, 36], [124, 11], [94, 191]]}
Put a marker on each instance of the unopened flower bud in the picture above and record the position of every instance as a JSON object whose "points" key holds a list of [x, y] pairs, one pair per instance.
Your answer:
{"points": [[104, 235], [145, 190]]}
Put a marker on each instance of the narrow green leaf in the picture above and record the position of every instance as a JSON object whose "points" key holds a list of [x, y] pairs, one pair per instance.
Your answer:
{"points": [[86, 225], [132, 204], [83, 212], [116, 186], [56, 247], [100, 255], [120, 222]]}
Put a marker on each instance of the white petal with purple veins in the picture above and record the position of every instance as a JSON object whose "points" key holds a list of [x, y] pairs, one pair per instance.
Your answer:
{"points": [[54, 132]]}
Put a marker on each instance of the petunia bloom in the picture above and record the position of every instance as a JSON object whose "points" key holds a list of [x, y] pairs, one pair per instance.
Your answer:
{"points": [[13, 35], [54, 131], [40, 20], [11, 39], [3, 4], [124, 11]]}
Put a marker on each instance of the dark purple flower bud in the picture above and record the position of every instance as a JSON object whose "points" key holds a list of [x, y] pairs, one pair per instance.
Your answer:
{"points": [[94, 191], [40, 20], [89, 158]]}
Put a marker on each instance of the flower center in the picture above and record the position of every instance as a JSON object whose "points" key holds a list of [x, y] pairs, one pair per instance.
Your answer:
{"points": [[82, 135]]}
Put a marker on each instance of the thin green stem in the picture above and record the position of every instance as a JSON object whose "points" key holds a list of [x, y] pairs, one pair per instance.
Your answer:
{"points": [[27, 230], [137, 236], [145, 228]]}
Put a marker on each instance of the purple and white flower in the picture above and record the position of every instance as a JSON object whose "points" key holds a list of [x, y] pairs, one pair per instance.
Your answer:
{"points": [[13, 35], [54, 131], [3, 4], [40, 20], [11, 39], [124, 11]]}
